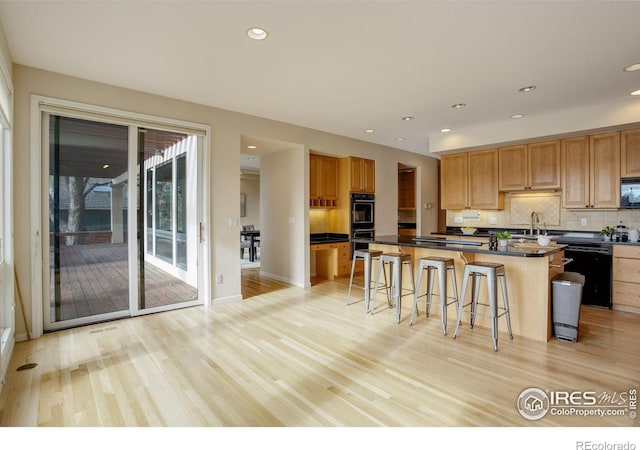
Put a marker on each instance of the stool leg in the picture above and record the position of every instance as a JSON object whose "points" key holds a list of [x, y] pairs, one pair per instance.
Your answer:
{"points": [[353, 269], [367, 282], [416, 295], [475, 288], [463, 291], [397, 277], [375, 294], [442, 277], [505, 300], [493, 306], [430, 279]]}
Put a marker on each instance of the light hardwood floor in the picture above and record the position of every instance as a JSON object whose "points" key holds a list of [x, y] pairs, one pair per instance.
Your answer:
{"points": [[287, 356]]}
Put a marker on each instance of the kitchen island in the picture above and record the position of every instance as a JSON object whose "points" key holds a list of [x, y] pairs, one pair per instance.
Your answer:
{"points": [[529, 270]]}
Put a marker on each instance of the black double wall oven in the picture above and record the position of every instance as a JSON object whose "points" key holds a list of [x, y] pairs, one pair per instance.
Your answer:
{"points": [[362, 220]]}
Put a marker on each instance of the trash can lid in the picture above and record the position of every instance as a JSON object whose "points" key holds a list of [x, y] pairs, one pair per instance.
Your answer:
{"points": [[569, 278]]}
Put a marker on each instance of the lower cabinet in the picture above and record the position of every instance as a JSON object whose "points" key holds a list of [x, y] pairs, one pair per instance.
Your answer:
{"points": [[332, 259], [626, 278]]}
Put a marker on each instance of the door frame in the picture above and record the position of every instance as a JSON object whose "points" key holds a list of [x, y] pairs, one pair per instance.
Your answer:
{"points": [[39, 234]]}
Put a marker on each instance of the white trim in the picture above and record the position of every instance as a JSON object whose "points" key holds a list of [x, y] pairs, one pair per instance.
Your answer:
{"points": [[285, 280], [37, 320], [223, 300], [42, 104]]}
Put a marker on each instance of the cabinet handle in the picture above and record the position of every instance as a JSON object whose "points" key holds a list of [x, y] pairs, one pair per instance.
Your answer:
{"points": [[565, 261]]}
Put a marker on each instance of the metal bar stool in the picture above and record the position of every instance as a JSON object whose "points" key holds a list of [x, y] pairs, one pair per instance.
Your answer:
{"points": [[492, 271], [396, 261], [442, 265], [367, 256]]}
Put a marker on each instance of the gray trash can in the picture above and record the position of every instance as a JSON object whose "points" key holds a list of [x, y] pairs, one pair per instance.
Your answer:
{"points": [[567, 297]]}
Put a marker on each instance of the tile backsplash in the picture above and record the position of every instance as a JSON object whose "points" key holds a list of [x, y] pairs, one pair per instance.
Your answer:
{"points": [[517, 214]]}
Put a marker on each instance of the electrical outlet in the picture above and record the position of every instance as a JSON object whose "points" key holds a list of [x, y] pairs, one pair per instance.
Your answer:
{"points": [[493, 220], [219, 278], [583, 221]]}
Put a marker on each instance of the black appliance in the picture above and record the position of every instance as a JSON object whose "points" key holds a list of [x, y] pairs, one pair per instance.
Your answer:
{"points": [[630, 193], [362, 220], [594, 261]]}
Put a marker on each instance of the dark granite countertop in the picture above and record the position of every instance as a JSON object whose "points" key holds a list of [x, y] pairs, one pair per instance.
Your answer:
{"points": [[525, 249], [323, 238]]}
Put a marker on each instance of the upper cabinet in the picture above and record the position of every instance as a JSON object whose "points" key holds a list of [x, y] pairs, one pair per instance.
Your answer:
{"points": [[323, 181], [362, 175], [630, 153], [470, 181], [407, 189], [529, 166], [591, 171]]}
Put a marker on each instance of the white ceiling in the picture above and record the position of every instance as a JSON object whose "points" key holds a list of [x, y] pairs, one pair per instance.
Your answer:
{"points": [[344, 66]]}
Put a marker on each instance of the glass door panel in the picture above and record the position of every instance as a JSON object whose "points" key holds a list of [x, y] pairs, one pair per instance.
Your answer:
{"points": [[168, 266], [88, 256]]}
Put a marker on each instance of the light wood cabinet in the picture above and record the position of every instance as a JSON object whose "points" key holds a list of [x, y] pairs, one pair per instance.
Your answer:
{"points": [[407, 189], [332, 259], [454, 181], [529, 166], [323, 181], [591, 171], [626, 278], [470, 181], [630, 153], [362, 175]]}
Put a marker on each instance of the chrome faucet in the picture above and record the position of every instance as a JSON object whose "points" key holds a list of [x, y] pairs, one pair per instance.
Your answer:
{"points": [[537, 216]]}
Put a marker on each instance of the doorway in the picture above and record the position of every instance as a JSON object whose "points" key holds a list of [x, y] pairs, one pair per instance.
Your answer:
{"points": [[122, 215]]}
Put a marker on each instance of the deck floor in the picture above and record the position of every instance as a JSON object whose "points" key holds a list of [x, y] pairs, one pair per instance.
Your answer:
{"points": [[94, 279]]}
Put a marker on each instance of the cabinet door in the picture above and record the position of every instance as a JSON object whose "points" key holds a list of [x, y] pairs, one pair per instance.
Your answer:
{"points": [[604, 158], [630, 153], [355, 176], [453, 181], [483, 190], [543, 162], [368, 172], [329, 178], [574, 163], [512, 168], [314, 178]]}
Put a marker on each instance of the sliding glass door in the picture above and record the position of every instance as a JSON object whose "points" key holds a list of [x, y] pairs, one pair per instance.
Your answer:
{"points": [[119, 245]]}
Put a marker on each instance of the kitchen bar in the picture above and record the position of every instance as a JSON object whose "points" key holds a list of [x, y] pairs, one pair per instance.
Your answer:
{"points": [[529, 270]]}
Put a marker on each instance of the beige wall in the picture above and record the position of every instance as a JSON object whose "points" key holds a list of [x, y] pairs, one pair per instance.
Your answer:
{"points": [[227, 127]]}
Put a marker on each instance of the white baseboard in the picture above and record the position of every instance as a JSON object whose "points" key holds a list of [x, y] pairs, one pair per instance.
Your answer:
{"points": [[22, 337], [230, 298], [284, 280]]}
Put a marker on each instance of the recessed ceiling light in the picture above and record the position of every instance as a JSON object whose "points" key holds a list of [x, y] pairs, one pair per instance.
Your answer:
{"points": [[445, 130], [517, 116], [399, 139], [257, 34], [369, 130], [636, 92], [632, 67], [105, 166], [459, 105], [408, 118], [527, 89]]}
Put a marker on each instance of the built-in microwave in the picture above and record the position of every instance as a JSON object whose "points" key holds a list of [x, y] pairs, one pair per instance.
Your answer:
{"points": [[630, 193]]}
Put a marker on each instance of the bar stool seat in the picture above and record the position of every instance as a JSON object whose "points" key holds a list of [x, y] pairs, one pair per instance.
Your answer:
{"points": [[491, 271], [367, 256], [396, 261], [441, 265]]}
